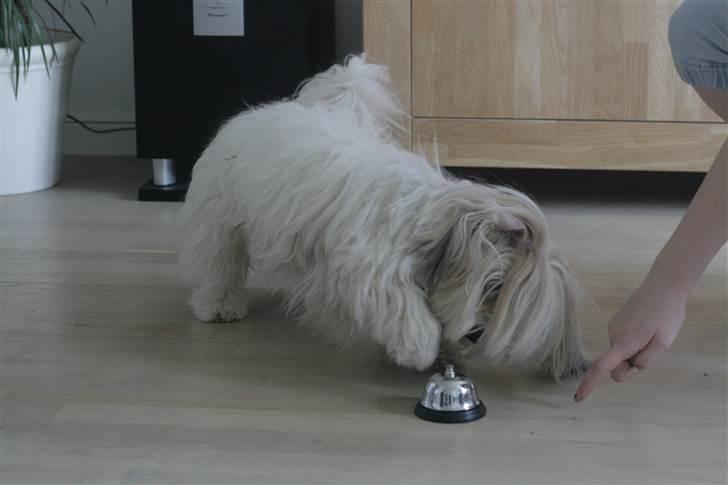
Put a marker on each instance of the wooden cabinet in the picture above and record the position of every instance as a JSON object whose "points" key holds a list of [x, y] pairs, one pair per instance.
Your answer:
{"points": [[543, 83]]}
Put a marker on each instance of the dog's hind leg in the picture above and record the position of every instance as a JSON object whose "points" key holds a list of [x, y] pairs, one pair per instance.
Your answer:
{"points": [[216, 264]]}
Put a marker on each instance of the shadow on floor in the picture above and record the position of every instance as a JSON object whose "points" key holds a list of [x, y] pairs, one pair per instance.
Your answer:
{"points": [[124, 175], [591, 185]]}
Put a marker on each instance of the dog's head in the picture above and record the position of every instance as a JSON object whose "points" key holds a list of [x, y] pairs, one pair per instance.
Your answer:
{"points": [[492, 273]]}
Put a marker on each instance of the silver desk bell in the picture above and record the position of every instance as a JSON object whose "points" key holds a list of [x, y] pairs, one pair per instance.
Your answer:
{"points": [[450, 398]]}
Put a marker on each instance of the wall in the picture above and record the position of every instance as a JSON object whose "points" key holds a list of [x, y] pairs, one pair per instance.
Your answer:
{"points": [[102, 91]]}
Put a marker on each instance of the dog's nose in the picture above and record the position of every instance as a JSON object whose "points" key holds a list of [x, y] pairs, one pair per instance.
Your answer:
{"points": [[578, 370]]}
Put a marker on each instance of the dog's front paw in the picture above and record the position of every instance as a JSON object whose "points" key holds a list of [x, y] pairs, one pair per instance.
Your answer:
{"points": [[419, 358], [219, 311]]}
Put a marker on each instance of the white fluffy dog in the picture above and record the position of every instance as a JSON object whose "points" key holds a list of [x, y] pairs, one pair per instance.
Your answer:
{"points": [[366, 238]]}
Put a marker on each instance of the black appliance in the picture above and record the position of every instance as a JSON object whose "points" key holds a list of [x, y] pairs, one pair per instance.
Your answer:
{"points": [[186, 85]]}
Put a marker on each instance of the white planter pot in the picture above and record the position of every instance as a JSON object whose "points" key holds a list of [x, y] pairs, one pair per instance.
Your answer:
{"points": [[31, 126]]}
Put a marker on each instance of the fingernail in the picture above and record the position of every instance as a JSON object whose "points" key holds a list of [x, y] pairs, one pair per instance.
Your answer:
{"points": [[576, 397]]}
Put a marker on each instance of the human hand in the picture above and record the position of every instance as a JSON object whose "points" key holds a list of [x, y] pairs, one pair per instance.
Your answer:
{"points": [[645, 326]]}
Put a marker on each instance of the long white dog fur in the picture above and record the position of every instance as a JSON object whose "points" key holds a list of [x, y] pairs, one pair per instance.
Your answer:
{"points": [[367, 238]]}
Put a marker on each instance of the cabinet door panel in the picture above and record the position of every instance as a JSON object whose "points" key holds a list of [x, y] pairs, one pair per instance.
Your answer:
{"points": [[598, 145], [550, 59]]}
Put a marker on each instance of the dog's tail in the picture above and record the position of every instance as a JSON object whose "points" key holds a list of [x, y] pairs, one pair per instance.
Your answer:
{"points": [[359, 87]]}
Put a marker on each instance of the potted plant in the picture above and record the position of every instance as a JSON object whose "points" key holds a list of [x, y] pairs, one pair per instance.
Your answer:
{"points": [[36, 64]]}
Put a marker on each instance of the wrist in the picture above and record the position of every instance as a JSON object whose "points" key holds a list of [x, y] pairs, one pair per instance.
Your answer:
{"points": [[667, 280]]}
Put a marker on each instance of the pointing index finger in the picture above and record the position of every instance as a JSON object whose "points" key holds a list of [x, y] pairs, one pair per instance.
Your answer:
{"points": [[599, 369]]}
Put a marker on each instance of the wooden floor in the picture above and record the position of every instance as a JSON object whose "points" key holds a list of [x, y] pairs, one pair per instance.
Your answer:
{"points": [[108, 378]]}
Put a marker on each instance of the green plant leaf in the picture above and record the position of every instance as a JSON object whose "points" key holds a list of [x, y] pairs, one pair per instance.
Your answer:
{"points": [[5, 26], [22, 44], [63, 19], [22, 25], [90, 15], [16, 67], [19, 33], [16, 36], [45, 38], [41, 45]]}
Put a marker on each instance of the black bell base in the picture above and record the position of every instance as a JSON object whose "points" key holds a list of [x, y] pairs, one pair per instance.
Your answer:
{"points": [[450, 416]]}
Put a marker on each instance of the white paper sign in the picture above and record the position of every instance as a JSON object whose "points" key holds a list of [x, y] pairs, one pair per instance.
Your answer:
{"points": [[222, 18]]}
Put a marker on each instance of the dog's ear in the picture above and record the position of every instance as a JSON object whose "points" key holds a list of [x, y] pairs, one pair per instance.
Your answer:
{"points": [[463, 263], [509, 222], [457, 225], [513, 225]]}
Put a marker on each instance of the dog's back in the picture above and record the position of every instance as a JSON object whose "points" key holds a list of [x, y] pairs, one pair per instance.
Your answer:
{"points": [[289, 170]]}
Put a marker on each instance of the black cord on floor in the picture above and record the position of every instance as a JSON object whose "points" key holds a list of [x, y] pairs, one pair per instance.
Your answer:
{"points": [[100, 132]]}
